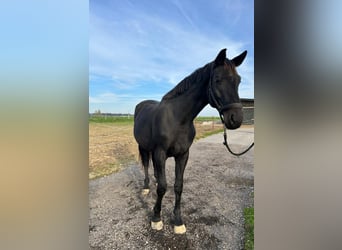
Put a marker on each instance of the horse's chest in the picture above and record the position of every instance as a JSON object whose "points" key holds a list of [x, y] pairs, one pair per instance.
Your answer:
{"points": [[182, 141]]}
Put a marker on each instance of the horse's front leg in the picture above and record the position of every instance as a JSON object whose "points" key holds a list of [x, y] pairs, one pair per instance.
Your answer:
{"points": [[159, 158], [181, 161]]}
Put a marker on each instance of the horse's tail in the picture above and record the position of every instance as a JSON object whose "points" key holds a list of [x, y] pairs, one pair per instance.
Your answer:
{"points": [[145, 157]]}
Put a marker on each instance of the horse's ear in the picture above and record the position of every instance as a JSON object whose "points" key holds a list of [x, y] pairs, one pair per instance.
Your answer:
{"points": [[221, 57], [239, 59]]}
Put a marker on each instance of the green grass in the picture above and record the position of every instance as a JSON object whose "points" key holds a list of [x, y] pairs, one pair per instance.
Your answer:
{"points": [[249, 228], [111, 119], [207, 118]]}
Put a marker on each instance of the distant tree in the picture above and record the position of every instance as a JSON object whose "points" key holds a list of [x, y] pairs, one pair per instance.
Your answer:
{"points": [[97, 112]]}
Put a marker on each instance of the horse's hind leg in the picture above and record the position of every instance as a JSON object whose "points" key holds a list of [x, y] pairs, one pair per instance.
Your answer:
{"points": [[145, 159]]}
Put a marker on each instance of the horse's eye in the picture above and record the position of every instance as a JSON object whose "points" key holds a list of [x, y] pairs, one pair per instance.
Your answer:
{"points": [[217, 80]]}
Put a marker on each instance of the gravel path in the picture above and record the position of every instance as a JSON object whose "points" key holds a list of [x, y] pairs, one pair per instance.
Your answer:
{"points": [[217, 186]]}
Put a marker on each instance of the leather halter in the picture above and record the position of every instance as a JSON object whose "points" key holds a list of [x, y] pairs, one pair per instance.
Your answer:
{"points": [[213, 101], [220, 108]]}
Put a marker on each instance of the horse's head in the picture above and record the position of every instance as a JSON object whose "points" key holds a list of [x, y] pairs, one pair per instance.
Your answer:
{"points": [[223, 89]]}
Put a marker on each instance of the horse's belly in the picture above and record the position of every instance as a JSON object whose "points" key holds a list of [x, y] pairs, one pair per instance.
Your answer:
{"points": [[142, 135]]}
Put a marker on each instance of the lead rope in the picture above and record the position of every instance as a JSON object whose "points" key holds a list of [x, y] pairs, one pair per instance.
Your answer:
{"points": [[226, 143]]}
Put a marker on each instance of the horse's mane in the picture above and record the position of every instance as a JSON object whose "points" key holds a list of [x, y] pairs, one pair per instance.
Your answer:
{"points": [[188, 81]]}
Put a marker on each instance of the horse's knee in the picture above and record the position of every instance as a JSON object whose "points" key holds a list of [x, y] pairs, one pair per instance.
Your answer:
{"points": [[161, 189]]}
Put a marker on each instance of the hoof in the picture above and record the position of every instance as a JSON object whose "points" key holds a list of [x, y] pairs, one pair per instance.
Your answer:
{"points": [[179, 229], [157, 225], [145, 191]]}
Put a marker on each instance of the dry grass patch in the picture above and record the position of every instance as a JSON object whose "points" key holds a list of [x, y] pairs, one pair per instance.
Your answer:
{"points": [[111, 147]]}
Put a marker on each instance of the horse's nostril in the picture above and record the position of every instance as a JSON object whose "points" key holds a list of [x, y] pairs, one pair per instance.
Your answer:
{"points": [[232, 118]]}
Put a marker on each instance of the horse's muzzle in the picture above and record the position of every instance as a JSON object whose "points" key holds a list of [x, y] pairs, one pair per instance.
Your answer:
{"points": [[233, 116]]}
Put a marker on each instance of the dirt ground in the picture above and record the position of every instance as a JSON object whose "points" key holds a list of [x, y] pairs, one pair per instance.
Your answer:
{"points": [[217, 186]]}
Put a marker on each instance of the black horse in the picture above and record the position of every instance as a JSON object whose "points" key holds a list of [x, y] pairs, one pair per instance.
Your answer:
{"points": [[165, 129]]}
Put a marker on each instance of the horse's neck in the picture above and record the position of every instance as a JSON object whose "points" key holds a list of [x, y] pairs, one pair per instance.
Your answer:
{"points": [[190, 104]]}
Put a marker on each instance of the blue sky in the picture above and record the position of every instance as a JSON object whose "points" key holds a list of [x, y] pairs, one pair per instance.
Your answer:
{"points": [[140, 50]]}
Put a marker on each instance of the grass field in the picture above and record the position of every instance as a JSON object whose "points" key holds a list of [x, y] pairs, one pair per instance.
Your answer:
{"points": [[112, 145], [249, 228]]}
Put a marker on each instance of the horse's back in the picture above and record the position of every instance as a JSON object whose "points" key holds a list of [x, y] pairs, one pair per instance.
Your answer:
{"points": [[145, 105], [143, 116]]}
